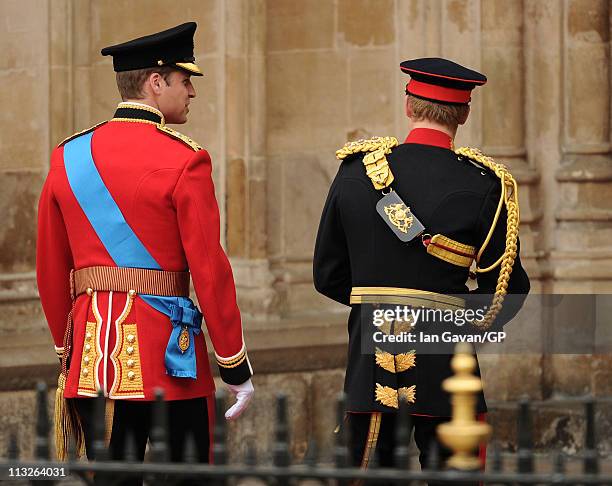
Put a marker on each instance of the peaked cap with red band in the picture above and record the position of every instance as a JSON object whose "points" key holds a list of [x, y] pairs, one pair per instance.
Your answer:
{"points": [[440, 80]]}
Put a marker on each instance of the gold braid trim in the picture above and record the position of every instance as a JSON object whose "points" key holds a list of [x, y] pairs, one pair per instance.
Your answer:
{"points": [[377, 167], [509, 196]]}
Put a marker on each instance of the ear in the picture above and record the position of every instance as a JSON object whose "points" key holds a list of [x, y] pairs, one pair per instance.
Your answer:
{"points": [[409, 110], [155, 83], [465, 116]]}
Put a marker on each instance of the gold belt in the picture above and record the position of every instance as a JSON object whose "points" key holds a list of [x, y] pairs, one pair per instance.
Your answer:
{"points": [[124, 279], [400, 296]]}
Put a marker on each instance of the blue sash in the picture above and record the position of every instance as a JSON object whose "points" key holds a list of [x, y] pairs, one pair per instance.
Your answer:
{"points": [[127, 250]]}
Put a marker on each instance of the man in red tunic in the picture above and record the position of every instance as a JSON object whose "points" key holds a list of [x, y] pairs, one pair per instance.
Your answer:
{"points": [[127, 214]]}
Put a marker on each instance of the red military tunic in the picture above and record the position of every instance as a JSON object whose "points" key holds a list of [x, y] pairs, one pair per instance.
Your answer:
{"points": [[162, 184]]}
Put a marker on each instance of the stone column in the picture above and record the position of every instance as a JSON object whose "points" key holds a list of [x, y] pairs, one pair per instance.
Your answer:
{"points": [[503, 117], [24, 160], [245, 128], [503, 137], [582, 261]]}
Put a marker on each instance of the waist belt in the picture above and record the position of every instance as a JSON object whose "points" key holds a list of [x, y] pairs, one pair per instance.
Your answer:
{"points": [[400, 296], [124, 279]]}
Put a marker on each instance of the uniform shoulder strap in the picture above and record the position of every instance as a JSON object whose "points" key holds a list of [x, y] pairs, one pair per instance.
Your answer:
{"points": [[509, 197], [375, 149], [82, 132], [179, 136]]}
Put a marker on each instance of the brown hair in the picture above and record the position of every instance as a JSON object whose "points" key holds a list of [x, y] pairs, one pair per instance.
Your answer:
{"points": [[130, 83], [447, 115]]}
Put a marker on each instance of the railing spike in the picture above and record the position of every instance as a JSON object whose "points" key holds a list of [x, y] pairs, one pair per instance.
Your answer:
{"points": [[190, 454], [433, 459], [464, 432], [130, 453], [312, 454], [402, 438], [250, 458], [497, 462], [525, 441], [99, 444], [12, 449], [559, 463], [340, 451], [159, 429], [591, 463], [280, 453], [220, 432], [42, 450]]}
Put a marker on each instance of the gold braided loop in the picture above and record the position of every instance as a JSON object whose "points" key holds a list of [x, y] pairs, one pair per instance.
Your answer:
{"points": [[377, 167], [509, 197]]}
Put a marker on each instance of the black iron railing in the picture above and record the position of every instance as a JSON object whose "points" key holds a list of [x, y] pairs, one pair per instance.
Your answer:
{"points": [[158, 470]]}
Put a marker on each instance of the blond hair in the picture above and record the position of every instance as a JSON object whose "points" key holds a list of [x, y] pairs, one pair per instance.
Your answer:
{"points": [[130, 83], [447, 115]]}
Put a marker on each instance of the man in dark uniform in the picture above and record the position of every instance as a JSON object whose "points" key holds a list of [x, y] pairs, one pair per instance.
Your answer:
{"points": [[402, 225], [127, 216]]}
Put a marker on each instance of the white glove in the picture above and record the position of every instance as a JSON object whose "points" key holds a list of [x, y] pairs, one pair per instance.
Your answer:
{"points": [[243, 393]]}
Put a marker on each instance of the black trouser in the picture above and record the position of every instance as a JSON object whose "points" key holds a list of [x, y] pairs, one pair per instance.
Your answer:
{"points": [[424, 434], [133, 420]]}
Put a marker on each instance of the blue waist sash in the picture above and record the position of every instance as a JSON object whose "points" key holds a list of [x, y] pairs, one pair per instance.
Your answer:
{"points": [[126, 250]]}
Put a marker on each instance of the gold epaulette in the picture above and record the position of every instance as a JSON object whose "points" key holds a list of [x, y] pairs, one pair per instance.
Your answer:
{"points": [[509, 197], [377, 167], [82, 132], [179, 136]]}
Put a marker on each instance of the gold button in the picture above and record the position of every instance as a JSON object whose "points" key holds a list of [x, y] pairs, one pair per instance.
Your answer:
{"points": [[130, 363], [85, 371], [88, 335], [89, 291], [131, 338], [131, 375], [130, 350], [86, 359], [132, 293], [87, 348]]}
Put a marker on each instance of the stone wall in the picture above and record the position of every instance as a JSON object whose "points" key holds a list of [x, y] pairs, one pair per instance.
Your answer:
{"points": [[286, 84]]}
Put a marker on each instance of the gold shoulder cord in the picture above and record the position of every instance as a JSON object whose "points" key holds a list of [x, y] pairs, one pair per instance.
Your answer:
{"points": [[377, 167], [509, 196]]}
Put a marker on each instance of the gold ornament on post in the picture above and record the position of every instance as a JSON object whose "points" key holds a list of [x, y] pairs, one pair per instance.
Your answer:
{"points": [[463, 434]]}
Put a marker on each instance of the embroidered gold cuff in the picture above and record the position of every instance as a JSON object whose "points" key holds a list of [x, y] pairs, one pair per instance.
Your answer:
{"points": [[448, 250], [232, 362]]}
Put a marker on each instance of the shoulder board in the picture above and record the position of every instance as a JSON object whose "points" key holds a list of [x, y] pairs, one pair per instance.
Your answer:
{"points": [[375, 162], [82, 132], [477, 158], [367, 145], [179, 136]]}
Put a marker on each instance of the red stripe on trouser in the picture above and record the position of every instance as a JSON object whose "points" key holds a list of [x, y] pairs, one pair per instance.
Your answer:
{"points": [[482, 448]]}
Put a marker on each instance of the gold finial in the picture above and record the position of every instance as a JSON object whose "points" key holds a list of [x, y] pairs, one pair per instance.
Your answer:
{"points": [[463, 433]]}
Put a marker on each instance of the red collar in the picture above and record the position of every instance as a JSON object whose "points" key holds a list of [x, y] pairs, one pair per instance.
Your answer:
{"points": [[429, 136]]}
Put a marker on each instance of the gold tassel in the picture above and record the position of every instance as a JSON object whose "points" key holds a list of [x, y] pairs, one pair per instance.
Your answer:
{"points": [[67, 423]]}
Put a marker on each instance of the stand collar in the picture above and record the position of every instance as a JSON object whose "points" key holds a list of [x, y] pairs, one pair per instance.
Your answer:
{"points": [[138, 112], [429, 136]]}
